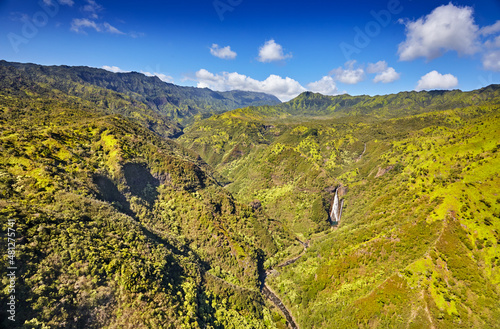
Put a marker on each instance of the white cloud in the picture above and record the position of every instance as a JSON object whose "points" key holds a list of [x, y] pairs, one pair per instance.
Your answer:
{"points": [[493, 43], [387, 76], [114, 69], [446, 28], [271, 51], [325, 86], [283, 88], [491, 29], [62, 2], [436, 80], [491, 61], [92, 8], [224, 53], [491, 56], [111, 29], [79, 24], [161, 76], [378, 67], [349, 74]]}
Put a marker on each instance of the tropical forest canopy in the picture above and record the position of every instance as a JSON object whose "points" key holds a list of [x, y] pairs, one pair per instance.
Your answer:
{"points": [[142, 204]]}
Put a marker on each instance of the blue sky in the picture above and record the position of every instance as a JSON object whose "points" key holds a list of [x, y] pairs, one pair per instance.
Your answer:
{"points": [[278, 47]]}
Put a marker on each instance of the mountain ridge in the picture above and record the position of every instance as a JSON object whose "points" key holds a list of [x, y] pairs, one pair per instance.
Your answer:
{"points": [[175, 102], [383, 106]]}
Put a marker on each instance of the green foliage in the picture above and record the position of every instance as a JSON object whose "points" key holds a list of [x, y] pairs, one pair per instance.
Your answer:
{"points": [[119, 227], [155, 101], [419, 232]]}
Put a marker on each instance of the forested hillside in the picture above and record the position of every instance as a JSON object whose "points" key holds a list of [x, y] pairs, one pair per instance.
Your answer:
{"points": [[166, 100], [418, 243], [119, 226]]}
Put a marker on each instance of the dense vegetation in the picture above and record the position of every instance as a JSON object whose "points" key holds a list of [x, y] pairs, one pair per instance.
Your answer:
{"points": [[164, 100], [120, 227], [418, 245]]}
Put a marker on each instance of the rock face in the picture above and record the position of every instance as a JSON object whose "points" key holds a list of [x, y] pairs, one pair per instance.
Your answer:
{"points": [[336, 211], [383, 171]]}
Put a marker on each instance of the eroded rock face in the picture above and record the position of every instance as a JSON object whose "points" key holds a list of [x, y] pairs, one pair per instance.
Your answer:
{"points": [[383, 171]]}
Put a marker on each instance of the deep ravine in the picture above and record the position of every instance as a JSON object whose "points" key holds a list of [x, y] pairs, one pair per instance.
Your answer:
{"points": [[269, 293]]}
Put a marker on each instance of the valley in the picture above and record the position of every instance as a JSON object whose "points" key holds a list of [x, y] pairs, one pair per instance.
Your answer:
{"points": [[141, 204]]}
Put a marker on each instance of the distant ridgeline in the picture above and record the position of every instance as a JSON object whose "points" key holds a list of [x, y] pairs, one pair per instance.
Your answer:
{"points": [[310, 105], [161, 101]]}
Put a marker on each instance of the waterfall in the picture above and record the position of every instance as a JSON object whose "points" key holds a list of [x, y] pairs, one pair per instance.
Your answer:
{"points": [[341, 207], [336, 212]]}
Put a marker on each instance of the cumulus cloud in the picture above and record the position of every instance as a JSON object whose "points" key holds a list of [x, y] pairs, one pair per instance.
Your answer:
{"points": [[436, 80], [325, 86], [384, 73], [271, 52], [161, 76], [491, 57], [451, 28], [283, 88], [387, 76], [224, 53], [446, 28], [114, 69], [350, 74], [491, 60], [378, 67]]}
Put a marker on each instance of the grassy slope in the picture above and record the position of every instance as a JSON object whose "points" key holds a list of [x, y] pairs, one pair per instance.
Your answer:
{"points": [[423, 234], [418, 246], [118, 228]]}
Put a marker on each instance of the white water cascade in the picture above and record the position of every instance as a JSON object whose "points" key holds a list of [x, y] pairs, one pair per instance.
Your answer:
{"points": [[336, 212]]}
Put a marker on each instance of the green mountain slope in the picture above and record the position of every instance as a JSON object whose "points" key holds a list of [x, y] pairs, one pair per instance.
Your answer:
{"points": [[178, 103], [310, 104], [117, 227], [292, 160], [418, 244]]}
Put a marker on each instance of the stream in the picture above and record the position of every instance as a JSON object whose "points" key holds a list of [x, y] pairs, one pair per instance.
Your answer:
{"points": [[277, 302], [269, 293]]}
